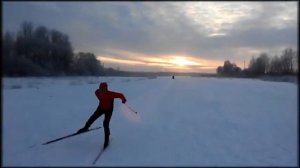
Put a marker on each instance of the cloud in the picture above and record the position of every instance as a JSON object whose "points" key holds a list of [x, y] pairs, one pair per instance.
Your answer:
{"points": [[47, 6]]}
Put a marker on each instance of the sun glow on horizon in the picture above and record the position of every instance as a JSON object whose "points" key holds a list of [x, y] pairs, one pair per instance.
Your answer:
{"points": [[182, 61], [174, 63]]}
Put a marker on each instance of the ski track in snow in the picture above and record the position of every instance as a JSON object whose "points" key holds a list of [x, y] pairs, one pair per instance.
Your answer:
{"points": [[183, 122]]}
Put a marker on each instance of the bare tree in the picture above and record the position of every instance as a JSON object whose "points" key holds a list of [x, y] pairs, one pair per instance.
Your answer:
{"points": [[27, 30], [220, 70], [8, 53], [295, 62], [287, 60], [263, 63], [275, 66], [24, 40], [259, 65], [61, 52], [87, 64], [229, 69]]}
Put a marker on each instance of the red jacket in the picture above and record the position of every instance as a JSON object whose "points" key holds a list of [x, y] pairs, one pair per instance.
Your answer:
{"points": [[107, 98]]}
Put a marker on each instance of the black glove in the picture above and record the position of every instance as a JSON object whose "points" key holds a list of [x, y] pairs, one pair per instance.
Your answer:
{"points": [[124, 101]]}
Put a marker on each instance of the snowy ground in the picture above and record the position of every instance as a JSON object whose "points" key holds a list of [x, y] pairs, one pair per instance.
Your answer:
{"points": [[183, 122]]}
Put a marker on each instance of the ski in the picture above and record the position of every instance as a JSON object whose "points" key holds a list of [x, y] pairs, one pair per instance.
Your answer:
{"points": [[100, 153], [68, 136], [98, 156]]}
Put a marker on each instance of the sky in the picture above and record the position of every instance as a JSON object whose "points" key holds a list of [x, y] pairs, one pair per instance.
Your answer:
{"points": [[177, 36]]}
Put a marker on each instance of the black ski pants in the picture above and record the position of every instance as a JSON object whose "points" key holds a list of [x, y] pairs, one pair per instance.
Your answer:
{"points": [[107, 117]]}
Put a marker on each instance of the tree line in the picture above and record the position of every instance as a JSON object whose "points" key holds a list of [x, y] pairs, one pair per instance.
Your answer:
{"points": [[285, 64], [43, 52]]}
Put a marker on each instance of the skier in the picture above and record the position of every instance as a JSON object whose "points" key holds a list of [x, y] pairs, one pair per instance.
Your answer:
{"points": [[106, 104]]}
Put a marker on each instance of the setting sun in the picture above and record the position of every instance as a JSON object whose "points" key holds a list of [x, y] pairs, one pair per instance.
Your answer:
{"points": [[182, 61]]}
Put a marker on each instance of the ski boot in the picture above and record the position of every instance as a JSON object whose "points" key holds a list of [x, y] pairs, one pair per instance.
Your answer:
{"points": [[82, 130]]}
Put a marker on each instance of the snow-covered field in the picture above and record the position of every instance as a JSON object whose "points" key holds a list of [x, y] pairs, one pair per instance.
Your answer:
{"points": [[183, 122]]}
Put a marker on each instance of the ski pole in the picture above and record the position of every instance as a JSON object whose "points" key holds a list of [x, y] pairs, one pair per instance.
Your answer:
{"points": [[131, 109]]}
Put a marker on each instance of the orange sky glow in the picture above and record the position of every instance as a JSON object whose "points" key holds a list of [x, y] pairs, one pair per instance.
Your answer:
{"points": [[171, 63]]}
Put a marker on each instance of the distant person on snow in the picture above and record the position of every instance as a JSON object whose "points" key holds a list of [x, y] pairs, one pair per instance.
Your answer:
{"points": [[106, 105]]}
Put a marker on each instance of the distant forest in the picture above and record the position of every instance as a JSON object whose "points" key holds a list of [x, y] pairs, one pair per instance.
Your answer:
{"points": [[285, 64], [43, 52]]}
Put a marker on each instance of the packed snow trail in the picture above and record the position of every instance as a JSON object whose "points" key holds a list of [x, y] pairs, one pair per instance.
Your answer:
{"points": [[182, 122]]}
